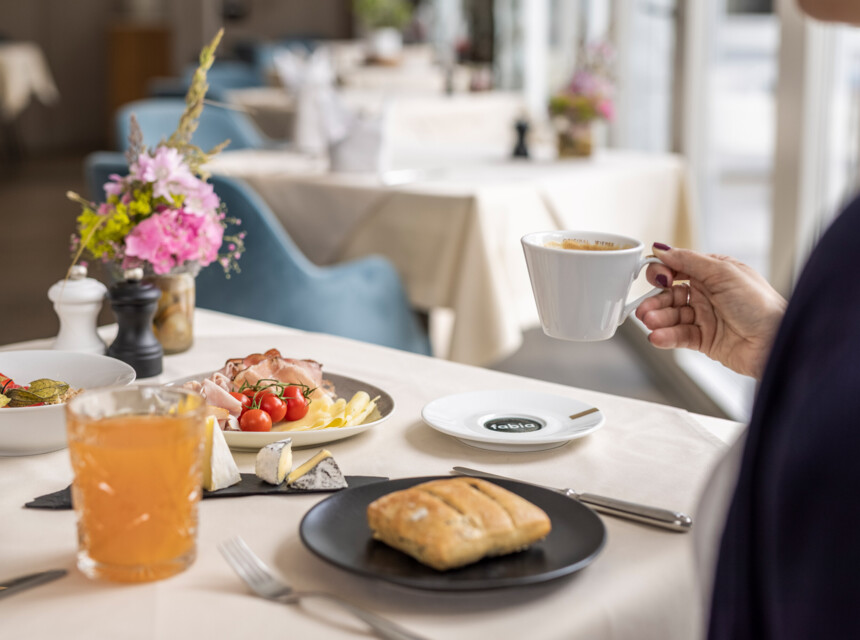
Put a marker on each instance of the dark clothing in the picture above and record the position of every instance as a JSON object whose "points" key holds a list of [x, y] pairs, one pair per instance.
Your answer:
{"points": [[789, 562]]}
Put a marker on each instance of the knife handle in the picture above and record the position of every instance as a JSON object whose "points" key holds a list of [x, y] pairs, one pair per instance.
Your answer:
{"points": [[665, 518]]}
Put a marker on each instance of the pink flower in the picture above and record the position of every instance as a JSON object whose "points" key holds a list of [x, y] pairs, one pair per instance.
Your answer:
{"points": [[166, 170], [202, 199], [116, 185], [172, 237], [606, 109]]}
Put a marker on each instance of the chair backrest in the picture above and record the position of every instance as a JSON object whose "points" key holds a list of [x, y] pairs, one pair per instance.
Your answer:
{"points": [[159, 117], [363, 299]]}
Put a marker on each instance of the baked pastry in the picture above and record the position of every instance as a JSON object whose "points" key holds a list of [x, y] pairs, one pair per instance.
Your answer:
{"points": [[457, 521]]}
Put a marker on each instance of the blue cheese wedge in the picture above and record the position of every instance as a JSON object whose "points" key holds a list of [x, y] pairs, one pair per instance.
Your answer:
{"points": [[320, 472], [274, 461], [219, 468]]}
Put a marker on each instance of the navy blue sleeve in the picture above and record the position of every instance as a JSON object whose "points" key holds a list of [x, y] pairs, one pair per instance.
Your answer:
{"points": [[789, 561]]}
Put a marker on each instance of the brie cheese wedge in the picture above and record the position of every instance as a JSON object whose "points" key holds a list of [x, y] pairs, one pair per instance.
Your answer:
{"points": [[274, 461], [320, 472], [219, 468]]}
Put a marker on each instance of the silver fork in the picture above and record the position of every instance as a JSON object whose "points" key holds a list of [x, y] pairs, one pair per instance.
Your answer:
{"points": [[257, 575]]}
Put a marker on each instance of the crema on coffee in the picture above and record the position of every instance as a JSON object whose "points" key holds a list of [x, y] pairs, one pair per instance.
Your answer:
{"points": [[587, 245]]}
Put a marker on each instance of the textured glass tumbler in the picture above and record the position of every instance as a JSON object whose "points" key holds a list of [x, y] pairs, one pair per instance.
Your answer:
{"points": [[136, 454]]}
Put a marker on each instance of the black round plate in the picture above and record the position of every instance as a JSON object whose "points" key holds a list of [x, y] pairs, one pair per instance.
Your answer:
{"points": [[336, 530]]}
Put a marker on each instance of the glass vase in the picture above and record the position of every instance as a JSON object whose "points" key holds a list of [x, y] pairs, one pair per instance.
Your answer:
{"points": [[575, 141], [174, 318]]}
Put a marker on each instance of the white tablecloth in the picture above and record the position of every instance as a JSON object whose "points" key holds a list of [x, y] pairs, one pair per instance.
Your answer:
{"points": [[24, 73], [453, 227], [642, 586], [410, 117]]}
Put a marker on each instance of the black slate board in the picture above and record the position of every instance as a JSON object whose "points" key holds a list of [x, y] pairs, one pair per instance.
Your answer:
{"points": [[250, 485]]}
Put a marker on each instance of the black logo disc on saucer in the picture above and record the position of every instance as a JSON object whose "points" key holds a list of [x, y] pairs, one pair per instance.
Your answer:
{"points": [[512, 424]]}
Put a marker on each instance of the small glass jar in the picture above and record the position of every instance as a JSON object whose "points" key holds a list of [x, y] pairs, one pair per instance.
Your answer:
{"points": [[576, 140], [174, 318]]}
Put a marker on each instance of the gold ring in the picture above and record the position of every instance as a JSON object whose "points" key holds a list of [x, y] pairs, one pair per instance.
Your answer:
{"points": [[689, 292]]}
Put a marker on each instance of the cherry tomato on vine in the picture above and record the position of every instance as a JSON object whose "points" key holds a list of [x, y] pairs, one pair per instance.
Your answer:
{"points": [[274, 406], [250, 392], [293, 392], [273, 390], [255, 420], [243, 399], [297, 408]]}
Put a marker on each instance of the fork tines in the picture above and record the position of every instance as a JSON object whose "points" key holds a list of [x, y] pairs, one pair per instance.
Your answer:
{"points": [[245, 562]]}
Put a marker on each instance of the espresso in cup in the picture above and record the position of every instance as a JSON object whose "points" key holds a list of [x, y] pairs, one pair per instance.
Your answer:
{"points": [[581, 280], [577, 244]]}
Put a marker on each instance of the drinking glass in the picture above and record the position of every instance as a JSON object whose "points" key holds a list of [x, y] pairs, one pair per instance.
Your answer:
{"points": [[137, 459]]}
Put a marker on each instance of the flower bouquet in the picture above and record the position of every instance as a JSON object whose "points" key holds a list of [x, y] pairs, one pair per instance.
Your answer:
{"points": [[588, 97], [163, 217]]}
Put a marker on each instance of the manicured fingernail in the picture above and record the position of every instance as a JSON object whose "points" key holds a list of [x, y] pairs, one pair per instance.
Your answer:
{"points": [[663, 281], [661, 247]]}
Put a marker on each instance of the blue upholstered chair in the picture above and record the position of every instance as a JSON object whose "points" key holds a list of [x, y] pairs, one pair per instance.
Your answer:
{"points": [[223, 76], [158, 118], [361, 299], [229, 74]]}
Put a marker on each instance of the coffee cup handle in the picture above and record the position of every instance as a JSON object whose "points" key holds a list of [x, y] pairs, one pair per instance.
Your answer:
{"points": [[630, 307]]}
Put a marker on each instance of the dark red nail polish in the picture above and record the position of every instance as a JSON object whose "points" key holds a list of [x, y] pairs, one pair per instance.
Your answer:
{"points": [[661, 247], [663, 281]]}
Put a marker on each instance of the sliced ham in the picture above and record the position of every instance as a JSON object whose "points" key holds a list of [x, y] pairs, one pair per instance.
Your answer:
{"points": [[218, 397], [193, 385], [272, 366], [287, 371], [222, 381]]}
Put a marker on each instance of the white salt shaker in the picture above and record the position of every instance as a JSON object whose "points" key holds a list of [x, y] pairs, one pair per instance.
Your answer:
{"points": [[77, 302]]}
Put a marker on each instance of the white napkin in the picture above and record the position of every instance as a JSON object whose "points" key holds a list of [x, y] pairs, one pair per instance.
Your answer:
{"points": [[320, 117], [362, 148]]}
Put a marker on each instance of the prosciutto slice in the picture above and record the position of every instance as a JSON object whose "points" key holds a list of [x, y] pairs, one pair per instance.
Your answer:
{"points": [[272, 366], [218, 397]]}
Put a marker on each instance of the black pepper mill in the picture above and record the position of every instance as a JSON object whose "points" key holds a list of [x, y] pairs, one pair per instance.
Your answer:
{"points": [[521, 150], [134, 304]]}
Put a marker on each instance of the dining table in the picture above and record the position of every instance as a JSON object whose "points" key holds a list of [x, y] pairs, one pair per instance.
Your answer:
{"points": [[409, 115], [642, 585], [450, 218]]}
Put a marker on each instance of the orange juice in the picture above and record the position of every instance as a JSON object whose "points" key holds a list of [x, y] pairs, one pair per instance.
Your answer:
{"points": [[136, 488]]}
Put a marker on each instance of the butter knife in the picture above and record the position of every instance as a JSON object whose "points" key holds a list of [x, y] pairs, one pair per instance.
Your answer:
{"points": [[655, 516], [32, 580]]}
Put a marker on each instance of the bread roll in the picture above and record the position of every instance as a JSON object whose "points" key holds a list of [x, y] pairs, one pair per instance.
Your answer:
{"points": [[454, 522]]}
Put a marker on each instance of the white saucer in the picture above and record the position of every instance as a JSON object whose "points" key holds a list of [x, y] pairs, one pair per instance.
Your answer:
{"points": [[511, 421]]}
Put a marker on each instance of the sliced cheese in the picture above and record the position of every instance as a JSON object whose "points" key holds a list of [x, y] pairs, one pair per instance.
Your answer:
{"points": [[274, 461], [219, 468], [320, 472]]}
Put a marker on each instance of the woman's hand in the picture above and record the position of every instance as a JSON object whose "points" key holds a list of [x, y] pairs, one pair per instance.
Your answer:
{"points": [[731, 315]]}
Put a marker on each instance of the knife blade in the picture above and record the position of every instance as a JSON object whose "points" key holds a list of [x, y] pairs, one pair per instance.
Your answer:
{"points": [[655, 516], [21, 583]]}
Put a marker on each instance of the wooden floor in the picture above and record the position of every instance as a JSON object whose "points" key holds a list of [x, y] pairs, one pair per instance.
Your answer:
{"points": [[38, 220]]}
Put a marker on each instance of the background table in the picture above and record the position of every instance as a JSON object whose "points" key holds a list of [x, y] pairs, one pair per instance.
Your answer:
{"points": [[410, 116], [642, 586], [451, 222]]}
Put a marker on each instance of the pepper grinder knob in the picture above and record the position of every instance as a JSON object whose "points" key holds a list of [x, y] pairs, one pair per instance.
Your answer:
{"points": [[134, 303], [77, 302]]}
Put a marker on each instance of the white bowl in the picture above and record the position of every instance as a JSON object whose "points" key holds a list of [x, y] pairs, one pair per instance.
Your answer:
{"points": [[31, 430]]}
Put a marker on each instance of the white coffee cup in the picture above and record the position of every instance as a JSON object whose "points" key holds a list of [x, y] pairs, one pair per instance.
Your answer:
{"points": [[581, 294]]}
